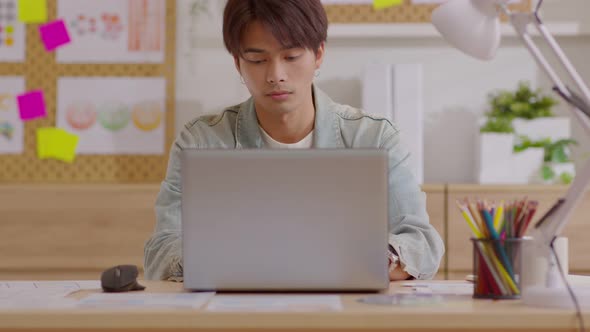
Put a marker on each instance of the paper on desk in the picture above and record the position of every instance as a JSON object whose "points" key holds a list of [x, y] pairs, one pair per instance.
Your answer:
{"points": [[25, 303], [145, 300], [23, 297], [579, 280], [261, 303], [68, 285], [444, 288], [46, 295]]}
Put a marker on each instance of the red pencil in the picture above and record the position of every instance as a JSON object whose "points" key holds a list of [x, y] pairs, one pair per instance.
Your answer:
{"points": [[528, 221]]}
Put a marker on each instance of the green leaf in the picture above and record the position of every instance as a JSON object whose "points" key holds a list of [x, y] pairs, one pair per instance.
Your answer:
{"points": [[522, 103], [526, 143], [557, 151], [520, 107], [566, 177], [547, 173], [497, 125], [566, 142], [558, 155]]}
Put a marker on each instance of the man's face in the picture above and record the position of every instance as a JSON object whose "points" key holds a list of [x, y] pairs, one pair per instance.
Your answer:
{"points": [[278, 78]]}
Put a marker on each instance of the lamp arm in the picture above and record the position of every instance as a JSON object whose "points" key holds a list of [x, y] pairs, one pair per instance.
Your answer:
{"points": [[520, 22], [571, 70], [553, 222]]}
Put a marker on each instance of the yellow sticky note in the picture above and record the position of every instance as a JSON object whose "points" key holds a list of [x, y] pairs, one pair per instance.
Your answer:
{"points": [[63, 146], [382, 4], [57, 144], [32, 11], [43, 138]]}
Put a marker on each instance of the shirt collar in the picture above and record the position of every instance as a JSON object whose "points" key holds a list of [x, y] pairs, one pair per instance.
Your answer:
{"points": [[326, 131]]}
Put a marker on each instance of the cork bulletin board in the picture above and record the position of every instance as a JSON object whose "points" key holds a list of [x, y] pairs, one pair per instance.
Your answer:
{"points": [[41, 71], [405, 13]]}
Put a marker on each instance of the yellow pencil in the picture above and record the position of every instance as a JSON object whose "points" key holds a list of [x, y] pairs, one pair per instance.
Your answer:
{"points": [[505, 275], [499, 215], [469, 220]]}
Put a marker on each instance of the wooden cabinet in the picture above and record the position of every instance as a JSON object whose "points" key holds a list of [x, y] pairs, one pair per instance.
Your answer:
{"points": [[75, 232], [436, 207], [72, 232]]}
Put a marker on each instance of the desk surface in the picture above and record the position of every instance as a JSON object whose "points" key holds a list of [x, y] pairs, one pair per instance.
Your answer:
{"points": [[457, 314]]}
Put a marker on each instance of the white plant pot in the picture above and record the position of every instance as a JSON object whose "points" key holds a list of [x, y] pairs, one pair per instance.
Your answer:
{"points": [[492, 151], [498, 164], [526, 165], [555, 128], [494, 147]]}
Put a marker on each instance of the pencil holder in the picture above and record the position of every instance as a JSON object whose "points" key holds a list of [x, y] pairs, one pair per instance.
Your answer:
{"points": [[497, 268]]}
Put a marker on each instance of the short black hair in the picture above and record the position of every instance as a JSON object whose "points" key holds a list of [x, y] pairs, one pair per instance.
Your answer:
{"points": [[294, 23]]}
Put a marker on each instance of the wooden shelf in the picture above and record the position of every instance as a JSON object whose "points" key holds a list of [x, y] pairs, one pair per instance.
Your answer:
{"points": [[426, 30]]}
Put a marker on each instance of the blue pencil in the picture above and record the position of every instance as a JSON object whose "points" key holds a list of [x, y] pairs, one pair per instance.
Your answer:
{"points": [[494, 235]]}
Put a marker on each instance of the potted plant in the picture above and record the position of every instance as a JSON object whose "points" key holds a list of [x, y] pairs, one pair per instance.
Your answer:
{"points": [[557, 166], [523, 103], [530, 113], [522, 112]]}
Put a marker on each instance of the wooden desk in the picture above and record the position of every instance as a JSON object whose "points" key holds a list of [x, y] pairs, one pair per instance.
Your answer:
{"points": [[463, 315]]}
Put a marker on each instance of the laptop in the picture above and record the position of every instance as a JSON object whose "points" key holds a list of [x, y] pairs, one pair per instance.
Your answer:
{"points": [[285, 220]]}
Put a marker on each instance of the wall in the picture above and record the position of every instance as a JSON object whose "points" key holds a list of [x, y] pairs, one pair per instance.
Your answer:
{"points": [[455, 86]]}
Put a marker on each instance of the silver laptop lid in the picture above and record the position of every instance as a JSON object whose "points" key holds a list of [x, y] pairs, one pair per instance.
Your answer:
{"points": [[284, 220]]}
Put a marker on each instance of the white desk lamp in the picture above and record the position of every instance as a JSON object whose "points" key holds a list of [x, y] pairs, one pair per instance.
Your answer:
{"points": [[473, 26]]}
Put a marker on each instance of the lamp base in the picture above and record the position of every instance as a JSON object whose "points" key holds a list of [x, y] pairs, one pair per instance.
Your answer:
{"points": [[541, 296]]}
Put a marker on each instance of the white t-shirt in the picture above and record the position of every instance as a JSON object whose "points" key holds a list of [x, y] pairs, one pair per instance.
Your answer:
{"points": [[270, 143]]}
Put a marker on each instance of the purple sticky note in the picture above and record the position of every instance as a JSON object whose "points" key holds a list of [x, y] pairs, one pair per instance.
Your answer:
{"points": [[31, 105], [54, 34]]}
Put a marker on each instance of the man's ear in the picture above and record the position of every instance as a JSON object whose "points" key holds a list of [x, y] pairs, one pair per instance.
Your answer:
{"points": [[319, 58], [237, 64]]}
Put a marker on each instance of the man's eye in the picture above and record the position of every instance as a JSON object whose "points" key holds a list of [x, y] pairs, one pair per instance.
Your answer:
{"points": [[292, 58], [256, 62]]}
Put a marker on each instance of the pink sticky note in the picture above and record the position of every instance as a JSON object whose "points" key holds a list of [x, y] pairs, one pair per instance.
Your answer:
{"points": [[54, 34], [31, 105]]}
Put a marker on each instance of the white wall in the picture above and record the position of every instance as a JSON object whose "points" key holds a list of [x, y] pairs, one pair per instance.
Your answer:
{"points": [[456, 86]]}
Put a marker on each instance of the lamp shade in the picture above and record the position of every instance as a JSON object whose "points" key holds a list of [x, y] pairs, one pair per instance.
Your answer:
{"points": [[472, 26]]}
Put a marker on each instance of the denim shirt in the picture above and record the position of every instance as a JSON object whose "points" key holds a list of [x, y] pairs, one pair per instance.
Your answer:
{"points": [[417, 243]]}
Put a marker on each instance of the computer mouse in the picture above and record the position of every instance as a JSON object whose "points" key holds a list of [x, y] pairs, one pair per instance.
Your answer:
{"points": [[121, 278]]}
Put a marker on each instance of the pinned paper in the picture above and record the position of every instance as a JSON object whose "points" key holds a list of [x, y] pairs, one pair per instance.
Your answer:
{"points": [[57, 144], [31, 105], [382, 4], [32, 11], [54, 34]]}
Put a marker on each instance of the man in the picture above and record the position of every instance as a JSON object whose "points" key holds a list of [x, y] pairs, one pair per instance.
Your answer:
{"points": [[278, 46]]}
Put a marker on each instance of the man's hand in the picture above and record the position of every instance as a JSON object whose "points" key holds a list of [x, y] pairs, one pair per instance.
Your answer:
{"points": [[398, 274]]}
